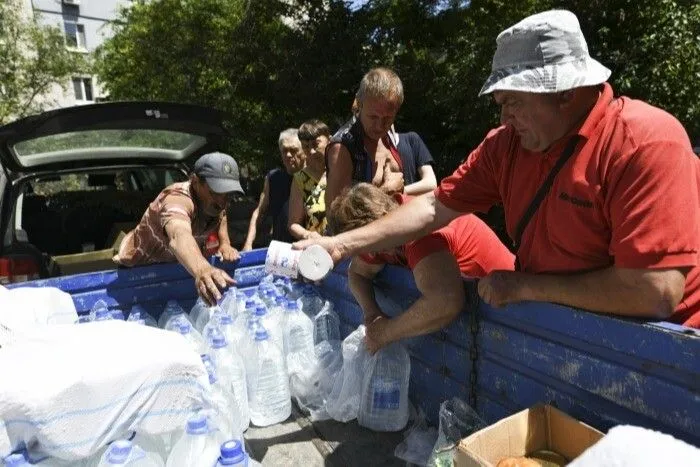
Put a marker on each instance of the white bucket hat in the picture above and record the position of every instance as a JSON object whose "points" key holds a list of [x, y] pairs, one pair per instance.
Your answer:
{"points": [[543, 53]]}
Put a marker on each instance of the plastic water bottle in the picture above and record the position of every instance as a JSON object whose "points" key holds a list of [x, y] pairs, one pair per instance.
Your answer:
{"points": [[229, 302], [205, 316], [197, 447], [310, 302], [384, 400], [15, 460], [326, 324], [197, 308], [298, 335], [268, 384], [233, 454], [185, 330], [272, 325], [223, 413], [138, 313], [124, 452], [172, 308], [98, 306], [232, 374], [103, 314]]}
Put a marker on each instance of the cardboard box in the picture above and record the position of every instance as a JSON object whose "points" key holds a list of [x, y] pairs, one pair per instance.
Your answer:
{"points": [[541, 427]]}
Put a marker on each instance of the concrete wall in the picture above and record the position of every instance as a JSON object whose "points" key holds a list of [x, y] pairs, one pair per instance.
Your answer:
{"points": [[94, 16]]}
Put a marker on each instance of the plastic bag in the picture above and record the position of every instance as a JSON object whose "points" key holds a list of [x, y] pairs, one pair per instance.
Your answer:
{"points": [[457, 420], [312, 388], [418, 442], [344, 401]]}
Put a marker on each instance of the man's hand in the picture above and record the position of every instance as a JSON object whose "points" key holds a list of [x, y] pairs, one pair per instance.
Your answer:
{"points": [[376, 336], [228, 253], [330, 244], [392, 182], [500, 288], [370, 317], [247, 247], [208, 282]]}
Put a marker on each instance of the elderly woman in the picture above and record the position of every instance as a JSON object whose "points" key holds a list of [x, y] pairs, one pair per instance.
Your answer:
{"points": [[465, 247], [307, 206]]}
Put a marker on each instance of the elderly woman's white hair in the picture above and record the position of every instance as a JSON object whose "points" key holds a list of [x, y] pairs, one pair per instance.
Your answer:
{"points": [[289, 133]]}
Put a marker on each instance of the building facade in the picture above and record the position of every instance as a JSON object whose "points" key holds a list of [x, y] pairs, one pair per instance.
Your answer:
{"points": [[85, 24]]}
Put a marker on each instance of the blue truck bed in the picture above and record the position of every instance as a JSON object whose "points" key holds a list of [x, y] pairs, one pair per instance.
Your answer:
{"points": [[600, 369]]}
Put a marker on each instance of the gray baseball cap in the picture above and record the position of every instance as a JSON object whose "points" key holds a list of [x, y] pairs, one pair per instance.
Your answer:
{"points": [[220, 172]]}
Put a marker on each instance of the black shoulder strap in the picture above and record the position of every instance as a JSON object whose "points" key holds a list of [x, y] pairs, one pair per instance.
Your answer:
{"points": [[541, 193]]}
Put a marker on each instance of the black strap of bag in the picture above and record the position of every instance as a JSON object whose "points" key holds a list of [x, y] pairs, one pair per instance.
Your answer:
{"points": [[541, 193]]}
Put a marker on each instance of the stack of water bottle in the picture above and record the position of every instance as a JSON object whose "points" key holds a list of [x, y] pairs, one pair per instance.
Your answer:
{"points": [[259, 350]]}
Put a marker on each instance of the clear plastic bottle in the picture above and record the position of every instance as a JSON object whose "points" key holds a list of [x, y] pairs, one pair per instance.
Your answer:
{"points": [[102, 314], [231, 373], [185, 330], [326, 324], [124, 452], [384, 399], [272, 325], [172, 309], [138, 313], [268, 384], [229, 302], [223, 414], [310, 302], [298, 337], [205, 316], [197, 447], [99, 305]]}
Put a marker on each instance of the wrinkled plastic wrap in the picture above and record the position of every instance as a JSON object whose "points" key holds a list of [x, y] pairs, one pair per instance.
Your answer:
{"points": [[457, 420], [344, 401], [418, 442]]}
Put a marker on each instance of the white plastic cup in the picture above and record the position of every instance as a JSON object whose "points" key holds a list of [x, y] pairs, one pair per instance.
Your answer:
{"points": [[313, 263]]}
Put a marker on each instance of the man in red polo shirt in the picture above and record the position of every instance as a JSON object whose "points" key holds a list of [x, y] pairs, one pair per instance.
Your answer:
{"points": [[618, 230], [465, 247]]}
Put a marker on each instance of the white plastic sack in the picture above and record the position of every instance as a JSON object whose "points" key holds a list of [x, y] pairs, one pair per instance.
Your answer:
{"points": [[27, 308], [344, 401], [66, 391], [633, 446]]}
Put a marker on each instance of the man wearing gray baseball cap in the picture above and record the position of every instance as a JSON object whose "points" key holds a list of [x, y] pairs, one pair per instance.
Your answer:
{"points": [[187, 221], [601, 193]]}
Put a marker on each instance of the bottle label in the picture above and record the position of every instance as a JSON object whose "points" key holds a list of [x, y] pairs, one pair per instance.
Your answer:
{"points": [[386, 394]]}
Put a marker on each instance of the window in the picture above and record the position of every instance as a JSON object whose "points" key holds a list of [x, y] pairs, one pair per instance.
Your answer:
{"points": [[75, 35], [82, 87]]}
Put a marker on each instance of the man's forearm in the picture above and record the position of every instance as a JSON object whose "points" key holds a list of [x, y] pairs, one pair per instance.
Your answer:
{"points": [[188, 254], [363, 290], [223, 232], [609, 290], [423, 317], [419, 187], [409, 221], [252, 228]]}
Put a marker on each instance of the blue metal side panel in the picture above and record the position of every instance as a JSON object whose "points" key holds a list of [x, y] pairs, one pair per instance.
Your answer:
{"points": [[440, 366], [601, 369], [150, 286]]}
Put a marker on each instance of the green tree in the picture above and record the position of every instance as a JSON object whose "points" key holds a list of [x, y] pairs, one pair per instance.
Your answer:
{"points": [[34, 59], [266, 63]]}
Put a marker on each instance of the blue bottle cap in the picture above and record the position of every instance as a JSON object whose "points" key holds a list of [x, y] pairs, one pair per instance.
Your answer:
{"points": [[225, 319], [292, 305], [197, 425], [232, 453], [184, 327], [217, 341], [260, 310], [261, 335], [119, 452]]}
